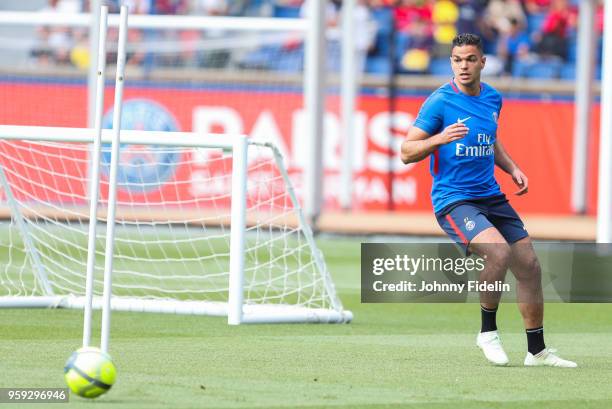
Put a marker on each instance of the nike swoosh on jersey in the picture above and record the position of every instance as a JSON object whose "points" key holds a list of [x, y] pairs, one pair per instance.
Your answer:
{"points": [[460, 121]]}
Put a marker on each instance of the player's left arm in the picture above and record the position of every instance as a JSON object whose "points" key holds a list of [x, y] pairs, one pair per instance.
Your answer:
{"points": [[505, 163]]}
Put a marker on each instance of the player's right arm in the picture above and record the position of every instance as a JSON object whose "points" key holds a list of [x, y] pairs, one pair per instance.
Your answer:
{"points": [[419, 144]]}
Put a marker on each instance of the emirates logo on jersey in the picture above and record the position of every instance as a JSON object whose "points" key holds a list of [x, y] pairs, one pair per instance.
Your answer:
{"points": [[485, 147]]}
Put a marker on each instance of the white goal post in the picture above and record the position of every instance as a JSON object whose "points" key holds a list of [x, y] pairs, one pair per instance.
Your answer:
{"points": [[235, 243]]}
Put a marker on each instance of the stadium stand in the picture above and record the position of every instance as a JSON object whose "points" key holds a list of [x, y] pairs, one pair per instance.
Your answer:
{"points": [[529, 38]]}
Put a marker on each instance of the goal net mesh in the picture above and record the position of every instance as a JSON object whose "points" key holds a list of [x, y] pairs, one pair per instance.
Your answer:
{"points": [[171, 242]]}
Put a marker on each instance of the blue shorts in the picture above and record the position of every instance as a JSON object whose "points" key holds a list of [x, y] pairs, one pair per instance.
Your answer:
{"points": [[463, 220]]}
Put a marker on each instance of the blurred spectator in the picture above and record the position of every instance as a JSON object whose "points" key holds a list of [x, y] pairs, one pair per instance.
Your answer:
{"points": [[139, 6], [552, 39], [113, 5], [496, 21], [365, 33], [414, 25], [200, 56], [332, 23], [63, 6], [287, 53], [499, 13], [170, 7], [537, 6], [286, 8], [599, 17], [79, 54], [55, 43], [513, 46], [209, 7], [373, 4], [470, 12], [444, 16], [174, 52], [408, 11], [251, 8], [416, 45], [332, 11], [138, 40]]}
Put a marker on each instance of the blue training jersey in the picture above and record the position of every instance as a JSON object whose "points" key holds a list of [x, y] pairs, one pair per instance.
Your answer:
{"points": [[462, 169]]}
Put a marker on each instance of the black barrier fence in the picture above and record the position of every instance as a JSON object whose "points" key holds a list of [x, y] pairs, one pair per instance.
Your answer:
{"points": [[441, 272]]}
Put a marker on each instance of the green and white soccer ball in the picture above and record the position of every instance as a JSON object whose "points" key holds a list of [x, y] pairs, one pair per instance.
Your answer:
{"points": [[89, 372]]}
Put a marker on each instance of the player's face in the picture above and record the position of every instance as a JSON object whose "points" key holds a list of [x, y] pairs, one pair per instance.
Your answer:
{"points": [[467, 62]]}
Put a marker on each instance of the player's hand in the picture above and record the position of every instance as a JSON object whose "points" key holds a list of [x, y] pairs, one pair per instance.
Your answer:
{"points": [[521, 181], [452, 133]]}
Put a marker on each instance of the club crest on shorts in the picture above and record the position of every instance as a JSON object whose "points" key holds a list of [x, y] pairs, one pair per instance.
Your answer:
{"points": [[469, 224], [142, 168]]}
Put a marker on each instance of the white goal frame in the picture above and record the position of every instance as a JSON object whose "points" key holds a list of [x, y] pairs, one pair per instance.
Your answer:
{"points": [[235, 309]]}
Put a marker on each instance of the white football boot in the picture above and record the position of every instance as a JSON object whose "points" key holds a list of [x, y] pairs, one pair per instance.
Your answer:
{"points": [[548, 358], [491, 345]]}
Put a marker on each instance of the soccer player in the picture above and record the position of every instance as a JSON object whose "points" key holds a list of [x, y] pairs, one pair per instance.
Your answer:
{"points": [[457, 128]]}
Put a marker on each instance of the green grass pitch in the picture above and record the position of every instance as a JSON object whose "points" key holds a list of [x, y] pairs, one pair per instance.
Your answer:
{"points": [[391, 356]]}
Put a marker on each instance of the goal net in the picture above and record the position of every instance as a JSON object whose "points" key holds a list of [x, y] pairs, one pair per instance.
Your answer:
{"points": [[172, 248]]}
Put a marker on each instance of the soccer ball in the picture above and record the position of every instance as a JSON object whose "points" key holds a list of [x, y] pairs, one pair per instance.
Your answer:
{"points": [[89, 372]]}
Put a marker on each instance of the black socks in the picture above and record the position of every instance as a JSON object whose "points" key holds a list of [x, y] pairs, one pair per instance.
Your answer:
{"points": [[489, 322], [535, 336], [535, 340]]}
